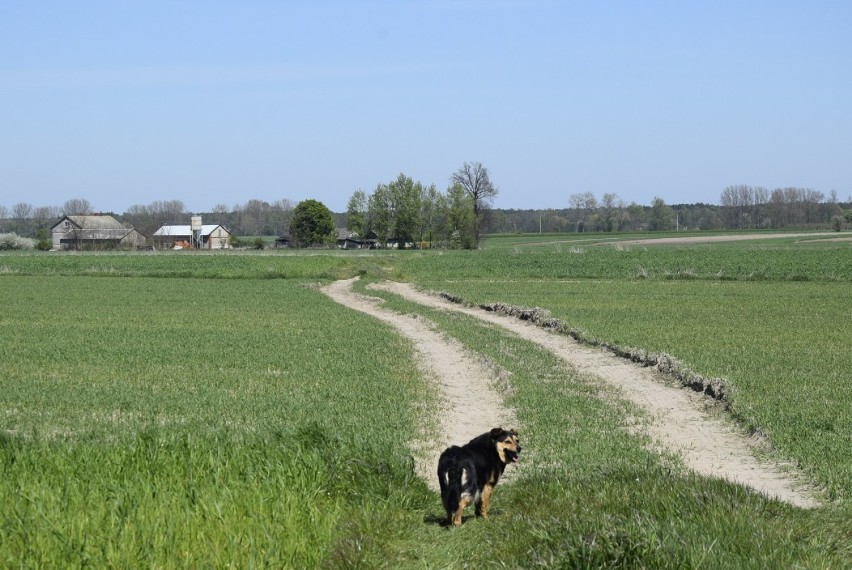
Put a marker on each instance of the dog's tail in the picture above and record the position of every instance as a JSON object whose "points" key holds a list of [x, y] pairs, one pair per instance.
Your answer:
{"points": [[451, 487]]}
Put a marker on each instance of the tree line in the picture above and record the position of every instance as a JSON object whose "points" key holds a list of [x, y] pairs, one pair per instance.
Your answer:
{"points": [[746, 207], [410, 212], [740, 207]]}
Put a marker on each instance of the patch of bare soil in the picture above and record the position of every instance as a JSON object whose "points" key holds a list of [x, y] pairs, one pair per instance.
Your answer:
{"points": [[470, 404], [710, 239], [680, 422]]}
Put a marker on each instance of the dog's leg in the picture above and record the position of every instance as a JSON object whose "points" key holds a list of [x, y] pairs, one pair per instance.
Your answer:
{"points": [[485, 501], [464, 502]]}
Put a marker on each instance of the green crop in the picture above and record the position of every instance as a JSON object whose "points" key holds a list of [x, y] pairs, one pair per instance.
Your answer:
{"points": [[183, 409]]}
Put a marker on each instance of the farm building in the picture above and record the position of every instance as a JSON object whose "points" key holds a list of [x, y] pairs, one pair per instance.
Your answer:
{"points": [[96, 231], [349, 240], [209, 236]]}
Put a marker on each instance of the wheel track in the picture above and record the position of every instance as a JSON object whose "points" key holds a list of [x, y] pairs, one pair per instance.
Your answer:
{"points": [[708, 445]]}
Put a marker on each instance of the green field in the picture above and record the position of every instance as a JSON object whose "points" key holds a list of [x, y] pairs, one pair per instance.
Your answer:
{"points": [[186, 410]]}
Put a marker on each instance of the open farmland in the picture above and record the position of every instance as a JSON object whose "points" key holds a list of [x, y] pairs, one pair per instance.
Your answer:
{"points": [[186, 410], [767, 317]]}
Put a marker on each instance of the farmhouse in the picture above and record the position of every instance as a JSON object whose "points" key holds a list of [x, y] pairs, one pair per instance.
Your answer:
{"points": [[97, 231], [208, 236]]}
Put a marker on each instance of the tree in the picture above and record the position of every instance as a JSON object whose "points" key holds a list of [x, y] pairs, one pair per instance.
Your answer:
{"points": [[148, 218], [430, 214], [76, 206], [280, 215], [460, 226], [380, 214], [473, 178], [312, 223], [583, 203], [662, 216], [612, 213], [406, 197], [22, 211], [356, 214]]}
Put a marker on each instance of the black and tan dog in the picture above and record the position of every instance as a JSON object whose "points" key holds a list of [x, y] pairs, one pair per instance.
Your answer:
{"points": [[468, 474]]}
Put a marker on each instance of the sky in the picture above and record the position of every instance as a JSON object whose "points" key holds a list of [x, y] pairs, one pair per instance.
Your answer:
{"points": [[127, 102]]}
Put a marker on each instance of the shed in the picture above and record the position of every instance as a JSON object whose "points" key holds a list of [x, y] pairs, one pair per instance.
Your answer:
{"points": [[95, 231], [210, 236]]}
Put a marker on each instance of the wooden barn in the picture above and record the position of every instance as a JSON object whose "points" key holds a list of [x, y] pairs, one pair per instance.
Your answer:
{"points": [[208, 236], [94, 231]]}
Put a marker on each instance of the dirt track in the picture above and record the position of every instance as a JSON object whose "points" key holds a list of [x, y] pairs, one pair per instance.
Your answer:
{"points": [[706, 445]]}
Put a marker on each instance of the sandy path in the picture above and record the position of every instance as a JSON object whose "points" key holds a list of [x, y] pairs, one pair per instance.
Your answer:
{"points": [[717, 238], [682, 240], [706, 444], [469, 403]]}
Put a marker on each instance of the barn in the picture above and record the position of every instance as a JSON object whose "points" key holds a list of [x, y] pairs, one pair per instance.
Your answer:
{"points": [[95, 231], [208, 236]]}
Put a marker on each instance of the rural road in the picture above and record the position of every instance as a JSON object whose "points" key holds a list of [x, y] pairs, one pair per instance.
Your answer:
{"points": [[679, 424], [456, 374]]}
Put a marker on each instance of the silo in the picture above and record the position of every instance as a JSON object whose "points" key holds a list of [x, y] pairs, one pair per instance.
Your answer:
{"points": [[195, 227]]}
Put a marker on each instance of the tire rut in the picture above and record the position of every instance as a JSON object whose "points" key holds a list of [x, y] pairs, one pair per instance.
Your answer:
{"points": [[469, 404], [706, 444]]}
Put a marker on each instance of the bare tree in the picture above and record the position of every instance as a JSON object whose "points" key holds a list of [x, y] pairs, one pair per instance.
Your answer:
{"points": [[612, 207], [474, 179], [22, 211], [76, 206], [583, 203]]}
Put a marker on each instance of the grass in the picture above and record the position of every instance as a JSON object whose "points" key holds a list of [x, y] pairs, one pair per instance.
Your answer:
{"points": [[158, 422], [592, 496], [779, 344], [215, 409]]}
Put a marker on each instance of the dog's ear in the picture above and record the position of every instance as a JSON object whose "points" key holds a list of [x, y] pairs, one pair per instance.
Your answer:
{"points": [[495, 433]]}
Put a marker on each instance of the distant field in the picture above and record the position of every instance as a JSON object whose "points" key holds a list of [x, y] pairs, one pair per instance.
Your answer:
{"points": [[186, 409]]}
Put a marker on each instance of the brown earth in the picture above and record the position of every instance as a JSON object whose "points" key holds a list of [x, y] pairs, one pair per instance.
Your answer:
{"points": [[714, 239], [689, 240], [680, 423]]}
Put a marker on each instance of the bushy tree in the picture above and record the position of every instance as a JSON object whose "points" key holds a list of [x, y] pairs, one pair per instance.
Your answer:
{"points": [[407, 196], [461, 227], [662, 215], [356, 213], [380, 214], [312, 224]]}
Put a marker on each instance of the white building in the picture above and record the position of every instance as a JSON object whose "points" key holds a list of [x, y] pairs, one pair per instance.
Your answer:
{"points": [[209, 236]]}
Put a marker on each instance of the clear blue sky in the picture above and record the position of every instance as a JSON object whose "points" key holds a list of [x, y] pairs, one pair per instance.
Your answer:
{"points": [[129, 101]]}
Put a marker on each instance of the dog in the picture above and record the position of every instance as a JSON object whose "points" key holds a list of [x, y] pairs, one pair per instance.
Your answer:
{"points": [[468, 474]]}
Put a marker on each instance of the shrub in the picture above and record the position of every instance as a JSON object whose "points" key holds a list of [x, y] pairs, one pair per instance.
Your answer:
{"points": [[14, 241]]}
